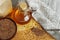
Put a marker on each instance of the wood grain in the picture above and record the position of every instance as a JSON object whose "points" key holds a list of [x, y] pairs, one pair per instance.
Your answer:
{"points": [[24, 32]]}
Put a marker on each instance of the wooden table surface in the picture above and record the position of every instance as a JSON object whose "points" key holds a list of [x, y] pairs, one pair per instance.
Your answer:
{"points": [[25, 32]]}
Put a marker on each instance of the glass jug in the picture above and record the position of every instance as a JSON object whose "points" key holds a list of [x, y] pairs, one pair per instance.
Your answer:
{"points": [[22, 13]]}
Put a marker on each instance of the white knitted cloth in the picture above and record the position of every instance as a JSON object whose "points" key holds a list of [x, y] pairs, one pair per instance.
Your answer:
{"points": [[46, 13]]}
